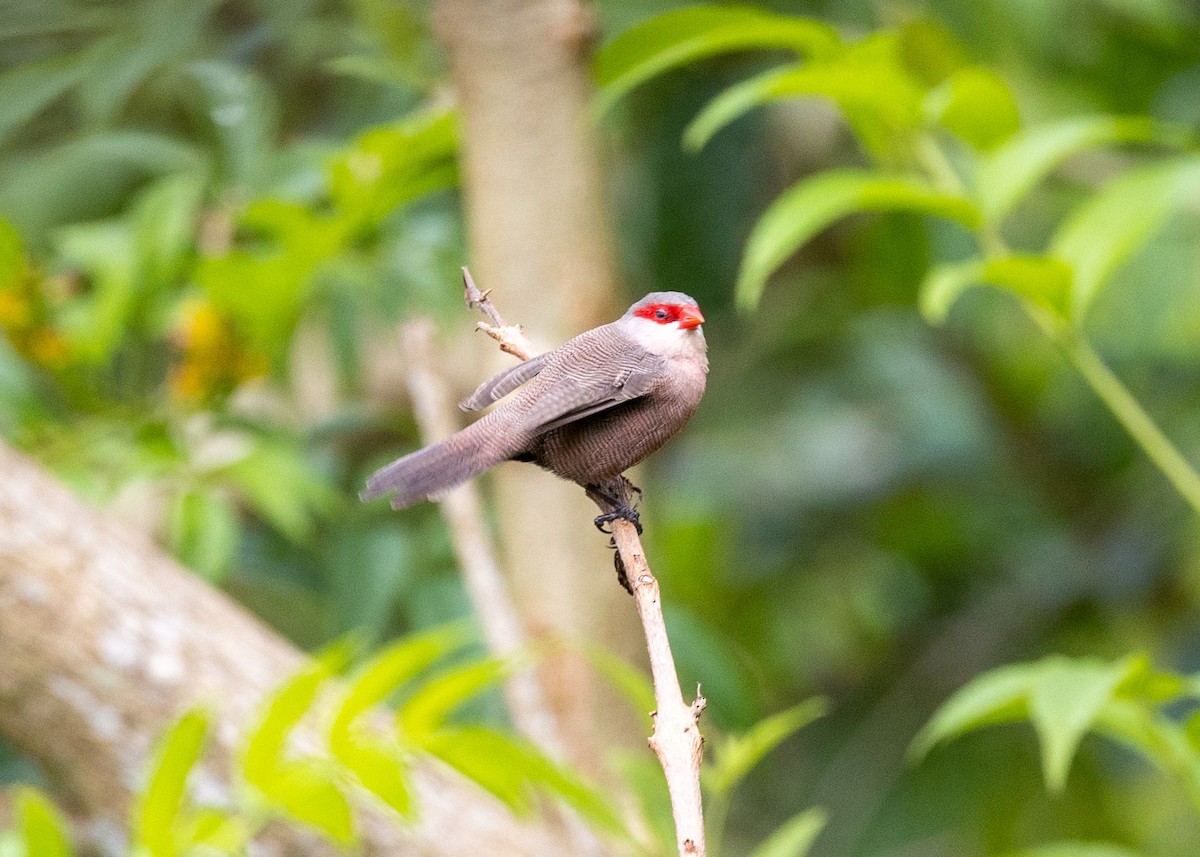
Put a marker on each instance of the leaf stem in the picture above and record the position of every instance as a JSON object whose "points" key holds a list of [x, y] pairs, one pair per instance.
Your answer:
{"points": [[1114, 394], [1130, 414]]}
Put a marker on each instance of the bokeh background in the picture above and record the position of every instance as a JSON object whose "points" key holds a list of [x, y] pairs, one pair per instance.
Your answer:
{"points": [[199, 298]]}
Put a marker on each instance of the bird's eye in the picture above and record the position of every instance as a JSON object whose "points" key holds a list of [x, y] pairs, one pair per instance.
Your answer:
{"points": [[660, 314]]}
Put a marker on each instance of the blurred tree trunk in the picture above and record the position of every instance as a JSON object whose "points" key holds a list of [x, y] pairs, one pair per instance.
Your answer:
{"points": [[539, 239], [104, 640]]}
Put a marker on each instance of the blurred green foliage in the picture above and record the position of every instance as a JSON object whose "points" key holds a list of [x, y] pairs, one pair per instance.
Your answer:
{"points": [[199, 197]]}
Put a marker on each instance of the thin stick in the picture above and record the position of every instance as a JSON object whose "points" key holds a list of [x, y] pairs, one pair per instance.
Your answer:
{"points": [[511, 337], [676, 739], [489, 596]]}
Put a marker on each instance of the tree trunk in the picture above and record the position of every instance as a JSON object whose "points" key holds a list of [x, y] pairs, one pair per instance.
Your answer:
{"points": [[104, 640], [539, 239]]}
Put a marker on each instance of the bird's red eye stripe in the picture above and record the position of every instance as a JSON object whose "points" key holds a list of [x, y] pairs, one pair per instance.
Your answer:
{"points": [[661, 313]]}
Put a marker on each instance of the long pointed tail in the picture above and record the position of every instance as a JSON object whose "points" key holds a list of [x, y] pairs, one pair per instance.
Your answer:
{"points": [[430, 472]]}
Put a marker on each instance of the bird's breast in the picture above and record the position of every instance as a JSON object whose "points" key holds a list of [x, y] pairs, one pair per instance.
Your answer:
{"points": [[600, 447]]}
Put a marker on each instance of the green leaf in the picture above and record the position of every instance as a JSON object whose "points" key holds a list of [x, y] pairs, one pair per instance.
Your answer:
{"points": [[280, 483], [389, 167], [427, 709], [509, 767], [293, 243], [814, 203], [868, 82], [685, 35], [381, 768], [795, 837], [87, 177], [644, 779], [632, 683], [997, 696], [28, 89], [307, 793], [283, 711], [1163, 742], [157, 811], [1077, 849], [215, 830], [242, 113], [95, 325], [1112, 225], [164, 229], [487, 758], [1009, 173], [1044, 281], [390, 669], [736, 755], [42, 827], [977, 105], [1064, 701], [14, 261], [204, 531]]}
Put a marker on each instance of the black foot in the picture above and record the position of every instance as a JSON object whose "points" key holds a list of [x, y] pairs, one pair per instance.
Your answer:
{"points": [[625, 513]]}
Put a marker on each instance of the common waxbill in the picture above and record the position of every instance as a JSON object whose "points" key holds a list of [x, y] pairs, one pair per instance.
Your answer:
{"points": [[587, 411]]}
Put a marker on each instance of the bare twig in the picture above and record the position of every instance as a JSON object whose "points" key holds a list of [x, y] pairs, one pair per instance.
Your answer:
{"points": [[676, 739], [489, 596], [511, 337]]}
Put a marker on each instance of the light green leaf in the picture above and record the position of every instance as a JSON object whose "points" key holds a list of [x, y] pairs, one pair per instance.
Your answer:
{"points": [[795, 837], [633, 684], [389, 167], [164, 229], [868, 82], [509, 768], [1077, 849], [215, 830], [306, 792], [280, 483], [1163, 742], [381, 768], [685, 35], [427, 709], [1044, 281], [392, 667], [204, 531], [997, 696], [977, 105], [1009, 173], [644, 778], [736, 755], [1064, 701], [489, 759], [1112, 225], [814, 203], [157, 811], [96, 323], [283, 711], [41, 825]]}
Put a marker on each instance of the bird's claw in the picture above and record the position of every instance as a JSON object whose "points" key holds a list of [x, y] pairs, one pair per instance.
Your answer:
{"points": [[625, 513]]}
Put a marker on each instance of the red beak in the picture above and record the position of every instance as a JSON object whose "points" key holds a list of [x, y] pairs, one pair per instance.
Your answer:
{"points": [[691, 317]]}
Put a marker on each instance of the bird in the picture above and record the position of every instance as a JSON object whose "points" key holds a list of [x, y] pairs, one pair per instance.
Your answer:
{"points": [[586, 411]]}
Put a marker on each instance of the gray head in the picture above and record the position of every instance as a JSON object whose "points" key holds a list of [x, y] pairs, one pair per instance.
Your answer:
{"points": [[666, 323]]}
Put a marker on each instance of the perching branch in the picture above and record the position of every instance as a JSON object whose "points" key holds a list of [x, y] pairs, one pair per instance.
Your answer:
{"points": [[676, 739]]}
